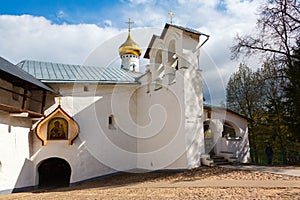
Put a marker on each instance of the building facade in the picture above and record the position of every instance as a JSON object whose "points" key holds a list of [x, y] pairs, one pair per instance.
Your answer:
{"points": [[107, 120]]}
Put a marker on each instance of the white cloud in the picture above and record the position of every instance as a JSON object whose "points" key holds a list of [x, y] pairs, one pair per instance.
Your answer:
{"points": [[28, 37], [205, 3], [221, 19], [136, 2], [222, 26]]}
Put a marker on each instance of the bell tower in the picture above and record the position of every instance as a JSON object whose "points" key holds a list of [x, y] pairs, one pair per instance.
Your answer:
{"points": [[130, 52]]}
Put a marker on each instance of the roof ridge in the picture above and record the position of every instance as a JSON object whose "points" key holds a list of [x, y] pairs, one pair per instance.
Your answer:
{"points": [[57, 63]]}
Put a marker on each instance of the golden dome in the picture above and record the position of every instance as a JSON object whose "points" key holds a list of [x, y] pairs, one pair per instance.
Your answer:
{"points": [[130, 47]]}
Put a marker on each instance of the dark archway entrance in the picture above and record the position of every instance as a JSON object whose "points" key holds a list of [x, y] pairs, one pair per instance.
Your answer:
{"points": [[54, 172], [208, 139]]}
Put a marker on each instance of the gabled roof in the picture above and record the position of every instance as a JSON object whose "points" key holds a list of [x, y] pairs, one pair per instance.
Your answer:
{"points": [[189, 31], [185, 29], [210, 107], [49, 72], [18, 77]]}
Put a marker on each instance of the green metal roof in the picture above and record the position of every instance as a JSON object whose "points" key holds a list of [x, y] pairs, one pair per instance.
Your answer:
{"points": [[49, 72]]}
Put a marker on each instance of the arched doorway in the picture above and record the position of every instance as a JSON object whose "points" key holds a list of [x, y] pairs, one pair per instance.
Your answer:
{"points": [[208, 138], [54, 172], [228, 130]]}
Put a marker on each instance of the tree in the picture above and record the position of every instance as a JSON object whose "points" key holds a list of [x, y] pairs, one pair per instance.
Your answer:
{"points": [[258, 95], [243, 95], [243, 92], [278, 29], [275, 112], [293, 93]]}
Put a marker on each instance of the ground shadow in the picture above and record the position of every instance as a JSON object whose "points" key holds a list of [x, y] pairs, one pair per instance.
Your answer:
{"points": [[127, 179]]}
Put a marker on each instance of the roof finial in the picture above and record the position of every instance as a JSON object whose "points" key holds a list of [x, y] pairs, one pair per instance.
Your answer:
{"points": [[171, 16], [129, 22], [59, 99]]}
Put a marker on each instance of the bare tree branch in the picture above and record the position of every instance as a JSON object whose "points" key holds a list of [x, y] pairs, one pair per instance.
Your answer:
{"points": [[278, 30]]}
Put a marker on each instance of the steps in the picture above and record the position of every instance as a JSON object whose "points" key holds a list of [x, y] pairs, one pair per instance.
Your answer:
{"points": [[229, 156], [220, 160]]}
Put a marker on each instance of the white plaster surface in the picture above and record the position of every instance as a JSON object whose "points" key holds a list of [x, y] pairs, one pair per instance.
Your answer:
{"points": [[157, 124]]}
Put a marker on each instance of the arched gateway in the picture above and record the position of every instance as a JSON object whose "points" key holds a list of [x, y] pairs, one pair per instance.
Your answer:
{"points": [[54, 172]]}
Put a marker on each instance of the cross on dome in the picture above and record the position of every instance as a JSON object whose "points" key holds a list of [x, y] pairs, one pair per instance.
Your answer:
{"points": [[171, 16], [129, 46], [129, 22]]}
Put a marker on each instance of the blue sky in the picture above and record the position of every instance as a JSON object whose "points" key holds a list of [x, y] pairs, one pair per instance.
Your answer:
{"points": [[62, 11], [82, 11], [69, 31], [116, 11]]}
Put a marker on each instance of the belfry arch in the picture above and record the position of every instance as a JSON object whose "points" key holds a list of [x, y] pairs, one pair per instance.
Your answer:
{"points": [[171, 51], [208, 137]]}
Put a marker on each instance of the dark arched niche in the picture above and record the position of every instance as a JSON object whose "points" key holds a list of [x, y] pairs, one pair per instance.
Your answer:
{"points": [[54, 172]]}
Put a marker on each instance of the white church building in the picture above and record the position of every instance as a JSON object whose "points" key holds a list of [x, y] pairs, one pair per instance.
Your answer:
{"points": [[67, 124]]}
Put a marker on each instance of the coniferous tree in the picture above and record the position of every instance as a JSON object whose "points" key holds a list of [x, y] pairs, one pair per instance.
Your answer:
{"points": [[293, 94]]}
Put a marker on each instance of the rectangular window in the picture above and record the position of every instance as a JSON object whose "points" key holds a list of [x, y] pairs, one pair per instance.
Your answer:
{"points": [[209, 114], [111, 122]]}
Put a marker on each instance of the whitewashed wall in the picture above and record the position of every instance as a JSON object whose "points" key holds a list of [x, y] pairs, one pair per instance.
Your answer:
{"points": [[161, 138], [98, 150], [156, 125], [14, 148], [171, 117], [239, 148]]}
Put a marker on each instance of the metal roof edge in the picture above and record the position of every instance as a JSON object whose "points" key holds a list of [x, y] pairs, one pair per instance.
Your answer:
{"points": [[163, 33], [206, 106], [21, 74]]}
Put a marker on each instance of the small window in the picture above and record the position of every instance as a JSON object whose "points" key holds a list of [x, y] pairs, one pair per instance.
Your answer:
{"points": [[209, 114], [111, 122], [133, 67], [85, 88]]}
